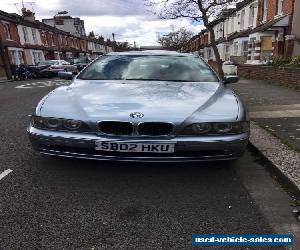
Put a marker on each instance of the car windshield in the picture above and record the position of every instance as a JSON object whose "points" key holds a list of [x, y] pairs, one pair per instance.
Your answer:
{"points": [[48, 63], [149, 67]]}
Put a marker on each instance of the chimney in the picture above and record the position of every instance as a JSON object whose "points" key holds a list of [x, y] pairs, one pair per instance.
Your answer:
{"points": [[28, 15]]}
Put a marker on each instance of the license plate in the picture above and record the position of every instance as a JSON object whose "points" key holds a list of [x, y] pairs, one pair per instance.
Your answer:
{"points": [[135, 147]]}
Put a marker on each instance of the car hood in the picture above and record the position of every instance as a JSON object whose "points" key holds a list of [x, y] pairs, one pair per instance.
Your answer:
{"points": [[158, 101]]}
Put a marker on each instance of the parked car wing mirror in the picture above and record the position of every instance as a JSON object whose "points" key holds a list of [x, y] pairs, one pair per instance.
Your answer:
{"points": [[230, 79], [65, 75]]}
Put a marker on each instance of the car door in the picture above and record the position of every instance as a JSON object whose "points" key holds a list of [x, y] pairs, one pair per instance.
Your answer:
{"points": [[68, 67]]}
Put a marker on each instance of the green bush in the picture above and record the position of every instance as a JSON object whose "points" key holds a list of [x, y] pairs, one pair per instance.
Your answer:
{"points": [[295, 61], [281, 62]]}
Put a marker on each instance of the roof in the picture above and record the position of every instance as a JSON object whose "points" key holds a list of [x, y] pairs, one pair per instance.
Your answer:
{"points": [[265, 26], [151, 52], [243, 33]]}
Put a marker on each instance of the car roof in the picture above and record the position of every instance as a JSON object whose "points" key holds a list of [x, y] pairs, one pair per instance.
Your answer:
{"points": [[153, 52]]}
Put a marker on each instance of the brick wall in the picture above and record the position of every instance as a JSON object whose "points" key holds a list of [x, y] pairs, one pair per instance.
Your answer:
{"points": [[272, 9], [13, 33], [286, 76]]}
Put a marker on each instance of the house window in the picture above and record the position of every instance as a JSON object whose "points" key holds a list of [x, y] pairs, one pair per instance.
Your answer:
{"points": [[245, 48], [251, 15], [232, 25], [20, 54], [7, 31], [265, 9], [25, 34], [227, 52], [37, 57], [45, 39], [266, 43], [52, 39], [76, 21], [242, 20], [17, 57], [33, 31], [235, 48], [209, 54], [279, 7]]}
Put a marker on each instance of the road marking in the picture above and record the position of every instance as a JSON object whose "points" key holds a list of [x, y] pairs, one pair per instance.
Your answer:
{"points": [[42, 84], [5, 173]]}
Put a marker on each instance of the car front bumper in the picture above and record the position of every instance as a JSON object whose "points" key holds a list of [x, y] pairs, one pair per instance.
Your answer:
{"points": [[187, 148]]}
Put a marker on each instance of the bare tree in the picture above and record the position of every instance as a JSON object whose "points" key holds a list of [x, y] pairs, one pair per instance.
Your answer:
{"points": [[175, 40], [198, 10]]}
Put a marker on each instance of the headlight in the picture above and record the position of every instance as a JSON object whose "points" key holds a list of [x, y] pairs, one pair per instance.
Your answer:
{"points": [[52, 123], [223, 127], [59, 124], [201, 128], [72, 124], [37, 122], [216, 128]]}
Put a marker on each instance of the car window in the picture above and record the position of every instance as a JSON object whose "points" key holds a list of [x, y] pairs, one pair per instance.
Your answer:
{"points": [[49, 62], [65, 63], [152, 67]]}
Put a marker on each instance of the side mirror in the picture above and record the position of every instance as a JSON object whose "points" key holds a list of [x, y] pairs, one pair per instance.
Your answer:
{"points": [[230, 79], [65, 75]]}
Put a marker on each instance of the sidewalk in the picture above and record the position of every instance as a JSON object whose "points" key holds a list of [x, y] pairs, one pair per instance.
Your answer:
{"points": [[276, 109], [4, 79]]}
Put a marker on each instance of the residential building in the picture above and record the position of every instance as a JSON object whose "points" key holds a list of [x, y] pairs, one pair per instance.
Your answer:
{"points": [[253, 32], [28, 41], [268, 39], [74, 26], [295, 34], [10, 41]]}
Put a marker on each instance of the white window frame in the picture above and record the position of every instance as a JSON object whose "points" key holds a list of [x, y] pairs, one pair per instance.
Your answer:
{"points": [[245, 52], [25, 34], [7, 30], [266, 8], [242, 20], [251, 15], [280, 7], [34, 35], [17, 56], [227, 52], [235, 48], [232, 25], [209, 53]]}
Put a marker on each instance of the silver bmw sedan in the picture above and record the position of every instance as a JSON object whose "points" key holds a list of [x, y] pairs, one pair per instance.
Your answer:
{"points": [[154, 106]]}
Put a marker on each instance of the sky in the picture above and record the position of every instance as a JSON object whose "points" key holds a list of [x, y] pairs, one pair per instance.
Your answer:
{"points": [[130, 20]]}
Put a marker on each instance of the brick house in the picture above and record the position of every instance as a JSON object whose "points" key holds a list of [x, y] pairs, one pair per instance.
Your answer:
{"points": [[29, 41], [253, 32], [273, 26], [11, 41]]}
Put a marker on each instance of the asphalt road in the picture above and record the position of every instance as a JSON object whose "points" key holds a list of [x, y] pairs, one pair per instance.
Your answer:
{"points": [[50, 203]]}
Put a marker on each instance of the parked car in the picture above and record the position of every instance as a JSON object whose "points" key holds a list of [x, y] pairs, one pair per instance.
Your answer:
{"points": [[229, 68], [22, 72], [142, 106], [50, 68], [80, 62]]}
